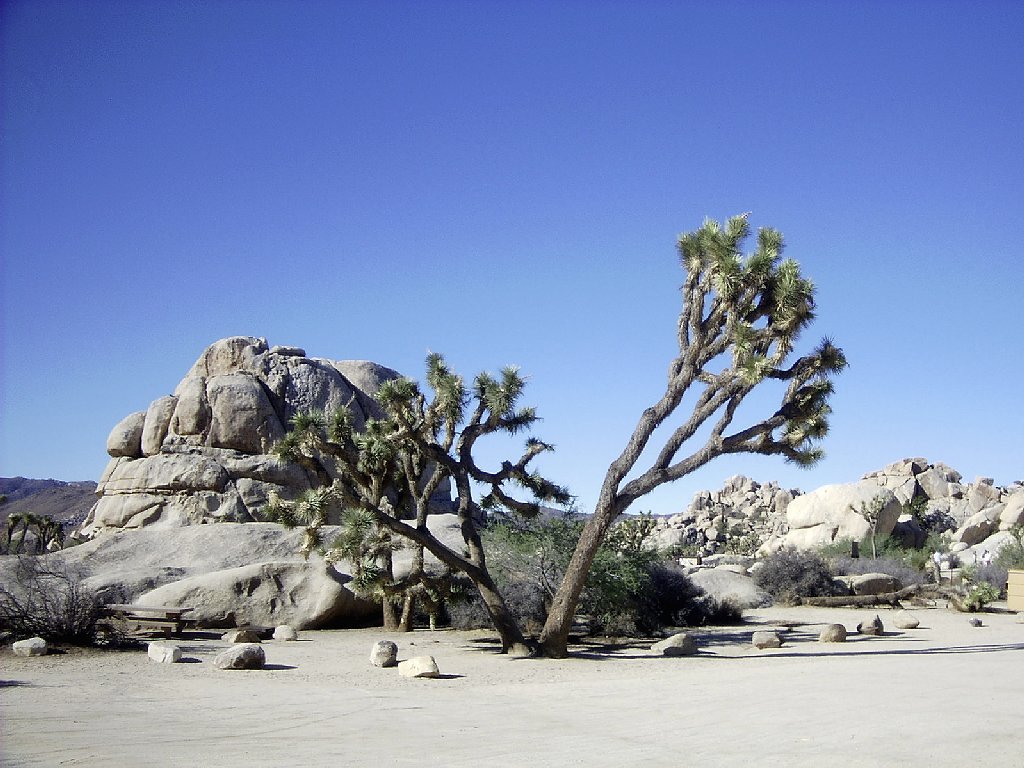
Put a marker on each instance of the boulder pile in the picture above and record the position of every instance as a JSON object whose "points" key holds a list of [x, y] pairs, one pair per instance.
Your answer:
{"points": [[202, 454], [738, 518], [907, 498]]}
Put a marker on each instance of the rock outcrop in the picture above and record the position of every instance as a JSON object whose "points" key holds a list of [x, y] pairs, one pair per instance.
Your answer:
{"points": [[202, 454], [737, 518], [917, 497], [302, 594]]}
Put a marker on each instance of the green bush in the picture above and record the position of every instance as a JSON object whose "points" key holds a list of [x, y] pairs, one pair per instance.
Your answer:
{"points": [[980, 595], [791, 574], [630, 589], [1011, 555], [891, 555]]}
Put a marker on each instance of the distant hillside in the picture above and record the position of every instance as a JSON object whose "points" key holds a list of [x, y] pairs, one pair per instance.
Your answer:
{"points": [[56, 499]]}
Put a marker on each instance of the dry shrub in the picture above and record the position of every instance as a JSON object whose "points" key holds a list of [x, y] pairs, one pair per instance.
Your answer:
{"points": [[49, 600]]}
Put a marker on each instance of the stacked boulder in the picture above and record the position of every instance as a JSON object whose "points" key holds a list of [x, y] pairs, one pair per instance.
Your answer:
{"points": [[737, 518], [745, 516], [203, 453], [975, 517]]}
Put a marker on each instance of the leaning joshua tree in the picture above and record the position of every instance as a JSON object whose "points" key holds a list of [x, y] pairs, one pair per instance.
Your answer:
{"points": [[391, 470], [741, 317]]}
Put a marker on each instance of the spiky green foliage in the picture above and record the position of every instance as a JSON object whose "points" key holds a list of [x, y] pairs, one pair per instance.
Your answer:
{"points": [[389, 470], [741, 318]]}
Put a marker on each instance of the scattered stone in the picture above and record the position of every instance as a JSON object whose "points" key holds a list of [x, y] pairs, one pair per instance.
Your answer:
{"points": [[384, 654], [975, 622], [418, 666], [285, 632], [34, 646], [871, 627], [164, 653], [906, 620], [766, 639], [833, 633], [241, 636], [245, 656], [680, 644]]}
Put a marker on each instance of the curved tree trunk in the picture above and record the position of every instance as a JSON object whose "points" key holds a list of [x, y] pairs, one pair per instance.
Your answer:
{"points": [[554, 637]]}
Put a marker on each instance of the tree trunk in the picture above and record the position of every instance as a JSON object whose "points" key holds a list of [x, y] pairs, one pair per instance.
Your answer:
{"points": [[390, 613], [504, 622], [405, 622], [554, 638]]}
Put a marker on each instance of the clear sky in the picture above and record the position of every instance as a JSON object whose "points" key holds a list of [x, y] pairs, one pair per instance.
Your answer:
{"points": [[504, 182]]}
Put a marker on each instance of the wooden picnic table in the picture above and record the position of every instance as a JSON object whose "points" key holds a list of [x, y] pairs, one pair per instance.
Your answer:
{"points": [[169, 618]]}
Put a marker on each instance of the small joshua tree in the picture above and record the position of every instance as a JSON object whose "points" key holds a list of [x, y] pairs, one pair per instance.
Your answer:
{"points": [[871, 512], [740, 321]]}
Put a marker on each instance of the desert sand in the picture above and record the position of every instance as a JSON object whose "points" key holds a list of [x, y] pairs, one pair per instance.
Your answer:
{"points": [[945, 694]]}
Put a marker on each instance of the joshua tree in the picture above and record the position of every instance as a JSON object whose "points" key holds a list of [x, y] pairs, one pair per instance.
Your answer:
{"points": [[740, 319], [399, 461], [871, 513]]}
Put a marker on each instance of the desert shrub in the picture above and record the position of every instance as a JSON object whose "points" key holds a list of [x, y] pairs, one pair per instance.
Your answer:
{"points": [[791, 574], [1011, 555], [980, 595], [525, 601], [992, 574], [891, 556], [630, 589], [49, 601]]}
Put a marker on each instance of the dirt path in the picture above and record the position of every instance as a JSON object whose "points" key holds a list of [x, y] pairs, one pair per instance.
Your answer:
{"points": [[946, 694]]}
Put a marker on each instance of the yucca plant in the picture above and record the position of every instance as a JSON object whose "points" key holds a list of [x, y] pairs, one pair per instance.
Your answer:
{"points": [[741, 318]]}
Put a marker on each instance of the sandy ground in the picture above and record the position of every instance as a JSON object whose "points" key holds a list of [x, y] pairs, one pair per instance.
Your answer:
{"points": [[946, 694]]}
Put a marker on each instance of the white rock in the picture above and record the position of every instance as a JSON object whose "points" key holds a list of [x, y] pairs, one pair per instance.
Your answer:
{"points": [[384, 654], [833, 633], [34, 646], [164, 653], [285, 632], [905, 620], [241, 636], [871, 627], [680, 644], [126, 438], [301, 594], [418, 666], [246, 656], [833, 512], [766, 639]]}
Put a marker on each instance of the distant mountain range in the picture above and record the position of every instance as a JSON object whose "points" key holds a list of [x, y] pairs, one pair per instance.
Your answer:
{"points": [[56, 499]]}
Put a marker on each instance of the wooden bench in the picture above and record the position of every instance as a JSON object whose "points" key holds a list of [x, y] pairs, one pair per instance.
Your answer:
{"points": [[166, 618]]}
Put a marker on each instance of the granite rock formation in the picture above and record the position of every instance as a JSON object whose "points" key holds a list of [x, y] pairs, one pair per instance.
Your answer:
{"points": [[202, 454]]}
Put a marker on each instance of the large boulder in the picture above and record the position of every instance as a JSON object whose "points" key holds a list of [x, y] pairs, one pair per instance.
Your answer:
{"points": [[202, 454], [1013, 511], [302, 594], [725, 584], [874, 584], [834, 512], [122, 565]]}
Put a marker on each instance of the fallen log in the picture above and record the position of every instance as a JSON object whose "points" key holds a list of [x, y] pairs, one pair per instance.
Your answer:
{"points": [[886, 598]]}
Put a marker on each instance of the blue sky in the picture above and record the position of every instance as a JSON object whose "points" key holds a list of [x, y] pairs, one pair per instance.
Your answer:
{"points": [[503, 182]]}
